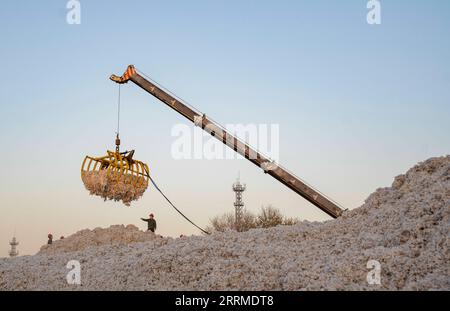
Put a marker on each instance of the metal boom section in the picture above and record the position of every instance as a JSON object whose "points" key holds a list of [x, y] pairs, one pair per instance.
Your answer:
{"points": [[215, 130]]}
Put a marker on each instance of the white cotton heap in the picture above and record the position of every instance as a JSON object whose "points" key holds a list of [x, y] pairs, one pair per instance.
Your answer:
{"points": [[114, 235], [405, 228]]}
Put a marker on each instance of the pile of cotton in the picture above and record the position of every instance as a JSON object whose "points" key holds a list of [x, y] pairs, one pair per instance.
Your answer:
{"points": [[114, 235], [397, 240]]}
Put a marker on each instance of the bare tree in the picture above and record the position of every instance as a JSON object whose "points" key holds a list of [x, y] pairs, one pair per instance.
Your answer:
{"points": [[222, 223], [289, 221], [268, 216], [248, 221]]}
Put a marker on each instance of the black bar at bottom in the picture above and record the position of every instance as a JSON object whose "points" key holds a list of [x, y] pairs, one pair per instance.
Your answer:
{"points": [[196, 300]]}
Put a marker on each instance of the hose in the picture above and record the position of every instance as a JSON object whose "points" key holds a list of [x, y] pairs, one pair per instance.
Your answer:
{"points": [[167, 199]]}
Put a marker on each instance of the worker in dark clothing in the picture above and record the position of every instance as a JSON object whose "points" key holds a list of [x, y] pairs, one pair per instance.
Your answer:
{"points": [[151, 223], [50, 238]]}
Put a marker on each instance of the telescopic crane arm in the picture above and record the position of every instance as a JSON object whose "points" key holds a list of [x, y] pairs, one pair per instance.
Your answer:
{"points": [[233, 142]]}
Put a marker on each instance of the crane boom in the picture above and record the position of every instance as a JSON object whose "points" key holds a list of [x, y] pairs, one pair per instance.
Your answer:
{"points": [[215, 130]]}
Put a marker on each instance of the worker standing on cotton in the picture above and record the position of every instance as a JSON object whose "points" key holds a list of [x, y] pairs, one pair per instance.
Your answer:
{"points": [[50, 239], [151, 223]]}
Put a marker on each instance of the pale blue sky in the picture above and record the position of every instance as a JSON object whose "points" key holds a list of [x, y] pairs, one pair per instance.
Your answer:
{"points": [[356, 104]]}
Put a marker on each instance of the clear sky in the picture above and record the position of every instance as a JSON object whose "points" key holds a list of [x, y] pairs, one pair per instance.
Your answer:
{"points": [[357, 104]]}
